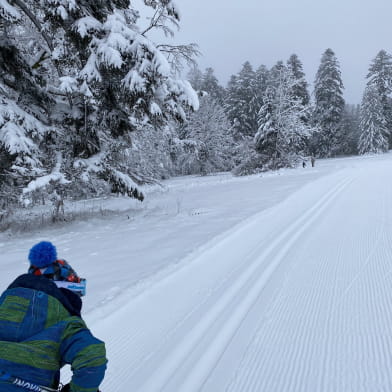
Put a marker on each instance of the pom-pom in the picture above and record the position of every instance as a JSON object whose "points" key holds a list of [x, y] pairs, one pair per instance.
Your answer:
{"points": [[42, 254]]}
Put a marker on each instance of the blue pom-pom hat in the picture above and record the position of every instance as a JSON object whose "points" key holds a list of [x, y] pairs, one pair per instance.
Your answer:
{"points": [[42, 254]]}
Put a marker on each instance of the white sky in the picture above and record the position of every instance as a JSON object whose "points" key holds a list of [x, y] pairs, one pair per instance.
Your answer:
{"points": [[230, 32]]}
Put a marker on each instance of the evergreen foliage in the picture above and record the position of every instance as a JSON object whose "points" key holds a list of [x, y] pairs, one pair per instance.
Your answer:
{"points": [[242, 102], [329, 105], [76, 78], [300, 88], [211, 86], [90, 105], [374, 135], [348, 144], [380, 76]]}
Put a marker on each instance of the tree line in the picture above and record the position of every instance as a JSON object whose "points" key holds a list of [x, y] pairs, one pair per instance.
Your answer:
{"points": [[276, 121], [90, 105]]}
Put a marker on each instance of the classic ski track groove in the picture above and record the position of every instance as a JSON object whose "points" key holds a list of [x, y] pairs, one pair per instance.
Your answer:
{"points": [[239, 288], [343, 343]]}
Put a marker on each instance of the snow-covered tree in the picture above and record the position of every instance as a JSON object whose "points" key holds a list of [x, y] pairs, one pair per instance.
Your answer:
{"points": [[380, 75], [262, 78], [205, 142], [206, 83], [241, 101], [211, 86], [195, 78], [350, 131], [24, 113], [282, 134], [300, 88], [374, 135], [95, 77], [329, 104]]}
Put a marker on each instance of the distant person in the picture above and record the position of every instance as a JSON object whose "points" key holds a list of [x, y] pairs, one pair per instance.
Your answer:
{"points": [[41, 329], [303, 164], [312, 160]]}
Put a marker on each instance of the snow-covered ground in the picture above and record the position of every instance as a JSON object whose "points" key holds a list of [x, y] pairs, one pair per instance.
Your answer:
{"points": [[274, 283]]}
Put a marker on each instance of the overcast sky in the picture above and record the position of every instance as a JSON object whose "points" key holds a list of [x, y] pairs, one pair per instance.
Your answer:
{"points": [[230, 32]]}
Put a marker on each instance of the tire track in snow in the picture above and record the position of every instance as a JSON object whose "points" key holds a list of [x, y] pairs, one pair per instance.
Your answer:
{"points": [[204, 365]]}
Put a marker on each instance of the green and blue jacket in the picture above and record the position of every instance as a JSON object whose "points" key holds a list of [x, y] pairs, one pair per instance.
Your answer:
{"points": [[41, 330]]}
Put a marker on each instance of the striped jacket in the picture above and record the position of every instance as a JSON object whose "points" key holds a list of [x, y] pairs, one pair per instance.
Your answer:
{"points": [[41, 330]]}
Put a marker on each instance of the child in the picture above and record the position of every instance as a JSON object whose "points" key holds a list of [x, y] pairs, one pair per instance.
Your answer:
{"points": [[41, 329]]}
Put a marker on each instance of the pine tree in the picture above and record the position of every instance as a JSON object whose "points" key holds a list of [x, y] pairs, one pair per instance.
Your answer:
{"points": [[329, 104], [97, 77], [380, 75], [373, 138], [24, 112], [241, 101], [262, 81], [195, 78], [210, 85], [262, 77], [300, 89], [351, 130]]}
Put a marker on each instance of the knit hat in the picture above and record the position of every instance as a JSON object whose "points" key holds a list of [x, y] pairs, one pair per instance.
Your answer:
{"points": [[43, 261]]}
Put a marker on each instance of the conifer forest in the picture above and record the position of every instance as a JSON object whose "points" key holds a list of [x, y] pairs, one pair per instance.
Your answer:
{"points": [[92, 105]]}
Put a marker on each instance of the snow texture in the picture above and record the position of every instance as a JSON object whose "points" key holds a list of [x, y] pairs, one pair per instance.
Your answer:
{"points": [[273, 283], [8, 11]]}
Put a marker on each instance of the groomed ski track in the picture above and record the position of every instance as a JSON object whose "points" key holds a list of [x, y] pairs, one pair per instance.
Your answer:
{"points": [[296, 298]]}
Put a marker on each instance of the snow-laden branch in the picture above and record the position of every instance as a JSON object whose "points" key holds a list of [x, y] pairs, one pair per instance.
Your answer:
{"points": [[36, 22]]}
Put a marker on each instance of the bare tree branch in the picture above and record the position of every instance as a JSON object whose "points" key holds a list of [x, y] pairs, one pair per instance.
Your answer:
{"points": [[159, 20], [179, 54]]}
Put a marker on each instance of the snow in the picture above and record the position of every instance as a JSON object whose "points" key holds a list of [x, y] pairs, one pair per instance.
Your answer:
{"points": [[188, 95], [278, 282], [8, 11], [43, 181], [87, 23], [109, 56], [90, 71], [62, 12], [134, 81], [68, 84], [155, 110], [14, 139]]}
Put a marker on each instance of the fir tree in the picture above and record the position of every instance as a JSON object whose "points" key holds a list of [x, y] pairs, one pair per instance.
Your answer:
{"points": [[241, 101], [329, 104], [300, 88], [24, 112], [95, 79], [195, 78], [373, 138], [210, 85], [380, 75], [351, 130]]}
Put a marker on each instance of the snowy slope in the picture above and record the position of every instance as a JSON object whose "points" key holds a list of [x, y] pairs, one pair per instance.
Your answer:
{"points": [[280, 283]]}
